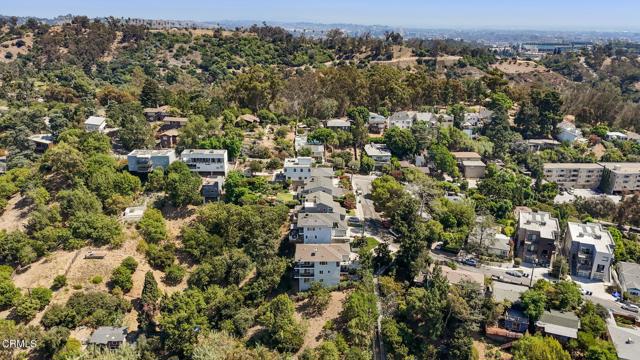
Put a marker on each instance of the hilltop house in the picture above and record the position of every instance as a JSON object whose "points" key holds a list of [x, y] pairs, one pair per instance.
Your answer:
{"points": [[206, 161], [109, 337], [322, 263], [339, 124], [298, 169], [567, 131], [379, 153]]}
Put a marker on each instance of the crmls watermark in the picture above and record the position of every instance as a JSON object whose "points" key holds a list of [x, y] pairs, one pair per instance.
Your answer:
{"points": [[18, 344]]}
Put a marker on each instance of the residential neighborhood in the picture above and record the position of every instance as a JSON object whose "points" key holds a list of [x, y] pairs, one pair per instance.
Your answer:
{"points": [[275, 189]]}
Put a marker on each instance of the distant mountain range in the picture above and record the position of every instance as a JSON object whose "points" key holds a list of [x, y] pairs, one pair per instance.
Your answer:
{"points": [[488, 36]]}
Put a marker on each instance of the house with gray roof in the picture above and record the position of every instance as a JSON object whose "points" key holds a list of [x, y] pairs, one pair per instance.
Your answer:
{"points": [[321, 263], [560, 325], [339, 124], [377, 123], [321, 202], [379, 153], [629, 277], [319, 228], [590, 250], [109, 337], [321, 183]]}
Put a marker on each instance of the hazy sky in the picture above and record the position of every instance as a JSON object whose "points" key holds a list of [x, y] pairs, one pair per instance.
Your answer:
{"points": [[517, 14]]}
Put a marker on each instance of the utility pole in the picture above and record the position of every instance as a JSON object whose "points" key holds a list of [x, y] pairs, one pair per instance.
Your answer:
{"points": [[532, 269]]}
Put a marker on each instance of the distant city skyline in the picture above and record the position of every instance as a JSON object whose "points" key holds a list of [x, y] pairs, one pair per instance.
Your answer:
{"points": [[615, 15]]}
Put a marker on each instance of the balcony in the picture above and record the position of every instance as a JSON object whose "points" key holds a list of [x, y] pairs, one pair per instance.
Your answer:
{"points": [[302, 273]]}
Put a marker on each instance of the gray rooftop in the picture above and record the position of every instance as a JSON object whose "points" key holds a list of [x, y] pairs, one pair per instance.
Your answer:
{"points": [[203, 151], [320, 219], [626, 341], [539, 221], [377, 150], [151, 152], [322, 252], [106, 334], [95, 120], [564, 324], [338, 123], [629, 274]]}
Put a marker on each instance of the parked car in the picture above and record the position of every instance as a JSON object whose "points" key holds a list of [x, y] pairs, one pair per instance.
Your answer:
{"points": [[394, 233], [514, 273], [354, 221], [497, 277], [471, 262], [631, 307], [586, 292]]}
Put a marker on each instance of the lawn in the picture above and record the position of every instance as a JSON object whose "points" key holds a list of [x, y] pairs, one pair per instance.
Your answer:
{"points": [[284, 197], [370, 244]]}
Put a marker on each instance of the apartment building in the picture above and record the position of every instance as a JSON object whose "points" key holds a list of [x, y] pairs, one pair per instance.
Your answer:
{"points": [[536, 237], [620, 177], [590, 249], [145, 161], [319, 228], [206, 162], [322, 263], [298, 169], [574, 175]]}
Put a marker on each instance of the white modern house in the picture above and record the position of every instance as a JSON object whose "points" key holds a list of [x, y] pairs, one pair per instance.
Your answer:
{"points": [[567, 131], [319, 228], [206, 161], [95, 123], [145, 161], [590, 250], [298, 169], [379, 153], [322, 263]]}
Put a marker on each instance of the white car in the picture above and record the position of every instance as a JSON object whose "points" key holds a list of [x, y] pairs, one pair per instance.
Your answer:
{"points": [[631, 307], [514, 273]]}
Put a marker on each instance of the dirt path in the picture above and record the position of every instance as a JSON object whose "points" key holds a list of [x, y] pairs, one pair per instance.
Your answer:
{"points": [[315, 324], [15, 214]]}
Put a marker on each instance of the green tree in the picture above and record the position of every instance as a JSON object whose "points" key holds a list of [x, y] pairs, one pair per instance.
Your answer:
{"points": [[152, 226], [400, 141], [443, 160], [121, 278], [283, 332], [359, 117], [539, 348], [151, 95], [318, 298], [534, 303], [183, 186]]}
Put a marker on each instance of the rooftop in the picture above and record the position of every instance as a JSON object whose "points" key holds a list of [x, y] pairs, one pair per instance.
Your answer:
{"points": [[95, 120], [106, 334], [629, 274], [164, 108], [203, 152], [376, 118], [42, 138], [322, 252], [151, 152], [175, 119], [622, 167], [320, 219], [560, 323], [299, 161], [377, 150], [592, 234], [539, 221], [322, 171], [467, 163], [625, 340], [572, 166], [466, 154], [338, 123]]}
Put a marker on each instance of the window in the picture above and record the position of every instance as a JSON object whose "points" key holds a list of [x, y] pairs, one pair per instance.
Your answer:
{"points": [[323, 263], [321, 272], [600, 268]]}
